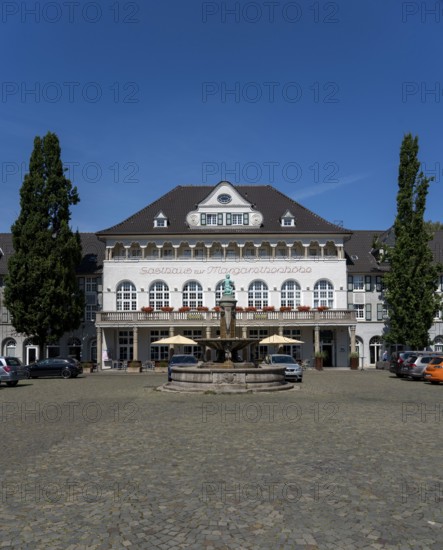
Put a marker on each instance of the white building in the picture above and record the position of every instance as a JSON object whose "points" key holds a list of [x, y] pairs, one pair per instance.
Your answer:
{"points": [[160, 272]]}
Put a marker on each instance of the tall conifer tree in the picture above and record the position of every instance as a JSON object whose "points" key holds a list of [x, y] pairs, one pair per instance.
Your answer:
{"points": [[413, 277], [41, 290]]}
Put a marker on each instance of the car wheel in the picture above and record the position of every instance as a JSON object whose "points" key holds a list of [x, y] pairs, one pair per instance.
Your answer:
{"points": [[398, 375], [434, 382], [66, 373], [12, 384]]}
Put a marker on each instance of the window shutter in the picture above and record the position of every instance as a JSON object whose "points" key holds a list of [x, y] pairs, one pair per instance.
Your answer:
{"points": [[350, 283], [368, 283], [245, 219], [219, 218], [368, 308], [379, 312], [228, 219], [378, 287], [202, 219]]}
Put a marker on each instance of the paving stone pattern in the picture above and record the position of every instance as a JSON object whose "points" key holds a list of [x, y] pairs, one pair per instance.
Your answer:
{"points": [[350, 460]]}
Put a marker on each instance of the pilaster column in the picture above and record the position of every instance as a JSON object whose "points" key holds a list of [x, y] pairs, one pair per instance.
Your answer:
{"points": [[352, 328], [316, 339], [135, 343], [99, 348]]}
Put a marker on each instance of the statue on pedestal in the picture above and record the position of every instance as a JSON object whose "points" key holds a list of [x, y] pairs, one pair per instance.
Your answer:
{"points": [[228, 286]]}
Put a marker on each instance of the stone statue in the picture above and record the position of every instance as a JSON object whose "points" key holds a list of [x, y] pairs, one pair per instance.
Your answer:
{"points": [[228, 286]]}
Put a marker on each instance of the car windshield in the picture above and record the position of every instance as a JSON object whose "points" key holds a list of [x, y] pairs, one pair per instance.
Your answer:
{"points": [[436, 360], [282, 359], [13, 362], [183, 359]]}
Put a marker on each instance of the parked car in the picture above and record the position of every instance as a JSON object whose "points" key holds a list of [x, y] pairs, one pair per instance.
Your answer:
{"points": [[434, 371], [12, 371], [66, 367], [398, 359], [181, 361], [414, 367], [293, 370]]}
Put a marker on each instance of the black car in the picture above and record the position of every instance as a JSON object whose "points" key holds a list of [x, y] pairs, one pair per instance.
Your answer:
{"points": [[181, 361], [66, 367]]}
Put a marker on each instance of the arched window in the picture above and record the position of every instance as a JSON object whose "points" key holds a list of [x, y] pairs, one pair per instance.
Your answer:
{"points": [[192, 294], [75, 348], [438, 344], [290, 294], [10, 348], [218, 291], [159, 295], [93, 350], [323, 293], [374, 349], [126, 297], [258, 294]]}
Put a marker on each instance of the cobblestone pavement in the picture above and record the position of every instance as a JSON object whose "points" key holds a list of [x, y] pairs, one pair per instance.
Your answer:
{"points": [[349, 460]]}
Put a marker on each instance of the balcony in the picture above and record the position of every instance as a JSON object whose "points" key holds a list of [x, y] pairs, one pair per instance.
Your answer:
{"points": [[212, 318]]}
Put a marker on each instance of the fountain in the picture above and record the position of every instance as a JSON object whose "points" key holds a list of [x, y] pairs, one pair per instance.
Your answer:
{"points": [[227, 374]]}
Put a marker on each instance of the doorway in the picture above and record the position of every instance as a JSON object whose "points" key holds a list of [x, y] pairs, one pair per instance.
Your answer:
{"points": [[31, 354]]}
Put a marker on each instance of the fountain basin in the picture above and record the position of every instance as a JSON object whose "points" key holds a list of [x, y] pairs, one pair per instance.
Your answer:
{"points": [[211, 378]]}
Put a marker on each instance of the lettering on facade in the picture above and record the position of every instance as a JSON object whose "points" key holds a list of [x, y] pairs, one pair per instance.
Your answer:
{"points": [[223, 270]]}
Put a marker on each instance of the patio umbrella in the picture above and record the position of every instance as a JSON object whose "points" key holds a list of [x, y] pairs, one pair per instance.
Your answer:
{"points": [[277, 339], [178, 340]]}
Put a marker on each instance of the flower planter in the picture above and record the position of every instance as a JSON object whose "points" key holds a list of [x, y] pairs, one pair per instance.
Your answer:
{"points": [[319, 363], [134, 366], [353, 363]]}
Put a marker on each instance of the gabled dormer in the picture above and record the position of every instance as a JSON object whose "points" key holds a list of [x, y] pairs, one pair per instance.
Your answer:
{"points": [[288, 219], [160, 220], [224, 207]]}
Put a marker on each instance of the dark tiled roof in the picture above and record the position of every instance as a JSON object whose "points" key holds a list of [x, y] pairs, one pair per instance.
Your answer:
{"points": [[358, 253], [178, 202], [359, 258], [92, 260]]}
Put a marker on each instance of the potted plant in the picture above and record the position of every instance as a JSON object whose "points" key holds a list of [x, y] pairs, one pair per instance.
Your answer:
{"points": [[268, 308], [134, 366], [167, 309], [319, 357], [216, 308], [322, 308], [202, 308], [250, 308], [147, 309], [184, 309], [239, 309], [354, 360], [303, 308], [285, 308]]}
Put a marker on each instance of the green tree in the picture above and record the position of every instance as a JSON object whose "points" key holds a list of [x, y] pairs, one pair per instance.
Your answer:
{"points": [[413, 277], [41, 290]]}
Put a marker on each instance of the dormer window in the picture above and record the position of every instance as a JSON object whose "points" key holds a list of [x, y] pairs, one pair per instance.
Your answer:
{"points": [[160, 220], [287, 220]]}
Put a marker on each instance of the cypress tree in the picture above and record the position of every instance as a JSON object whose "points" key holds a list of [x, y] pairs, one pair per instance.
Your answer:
{"points": [[41, 290], [412, 281]]}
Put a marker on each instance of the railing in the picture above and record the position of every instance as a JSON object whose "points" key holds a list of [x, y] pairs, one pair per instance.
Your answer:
{"points": [[330, 316]]}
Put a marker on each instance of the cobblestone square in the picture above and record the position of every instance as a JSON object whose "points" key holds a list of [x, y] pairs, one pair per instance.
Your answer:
{"points": [[348, 460]]}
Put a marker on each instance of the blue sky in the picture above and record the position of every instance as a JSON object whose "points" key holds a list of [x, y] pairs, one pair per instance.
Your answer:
{"points": [[311, 97]]}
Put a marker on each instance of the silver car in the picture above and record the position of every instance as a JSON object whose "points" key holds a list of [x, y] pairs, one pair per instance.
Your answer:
{"points": [[12, 370], [293, 371], [414, 367]]}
